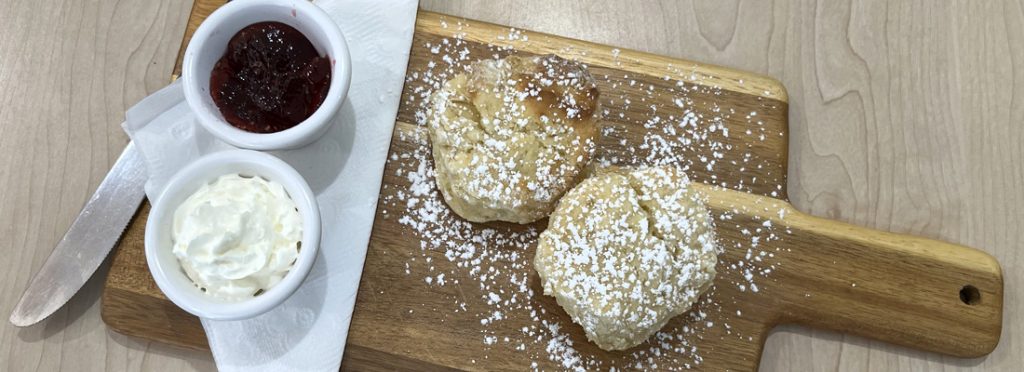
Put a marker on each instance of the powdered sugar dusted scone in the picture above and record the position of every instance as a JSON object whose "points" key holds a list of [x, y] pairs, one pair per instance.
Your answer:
{"points": [[627, 250], [511, 136]]}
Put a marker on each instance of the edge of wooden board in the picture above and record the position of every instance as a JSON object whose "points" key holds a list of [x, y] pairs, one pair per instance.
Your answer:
{"points": [[608, 56], [200, 10]]}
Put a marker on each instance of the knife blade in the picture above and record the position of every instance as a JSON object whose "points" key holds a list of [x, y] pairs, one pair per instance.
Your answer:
{"points": [[87, 242]]}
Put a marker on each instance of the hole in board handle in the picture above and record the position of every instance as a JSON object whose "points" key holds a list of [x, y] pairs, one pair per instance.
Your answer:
{"points": [[970, 295]]}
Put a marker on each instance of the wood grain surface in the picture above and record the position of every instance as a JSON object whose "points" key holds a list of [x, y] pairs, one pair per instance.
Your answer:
{"points": [[903, 117], [909, 290]]}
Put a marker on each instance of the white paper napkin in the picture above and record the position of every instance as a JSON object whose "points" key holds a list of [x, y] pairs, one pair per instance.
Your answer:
{"points": [[344, 169]]}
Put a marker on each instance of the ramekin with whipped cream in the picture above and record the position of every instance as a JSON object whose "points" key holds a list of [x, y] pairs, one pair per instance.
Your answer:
{"points": [[232, 235]]}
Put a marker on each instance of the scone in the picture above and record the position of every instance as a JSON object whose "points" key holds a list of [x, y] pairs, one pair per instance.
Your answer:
{"points": [[627, 250], [511, 136]]}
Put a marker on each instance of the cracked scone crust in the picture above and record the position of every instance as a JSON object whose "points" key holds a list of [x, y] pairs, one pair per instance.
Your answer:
{"points": [[512, 135], [627, 250]]}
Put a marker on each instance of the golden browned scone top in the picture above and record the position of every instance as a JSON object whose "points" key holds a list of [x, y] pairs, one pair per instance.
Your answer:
{"points": [[511, 136]]}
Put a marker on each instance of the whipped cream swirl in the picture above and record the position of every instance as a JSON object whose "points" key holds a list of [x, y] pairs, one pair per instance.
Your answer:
{"points": [[237, 236]]}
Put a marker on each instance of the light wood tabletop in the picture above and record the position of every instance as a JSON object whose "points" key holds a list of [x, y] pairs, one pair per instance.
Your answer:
{"points": [[905, 116]]}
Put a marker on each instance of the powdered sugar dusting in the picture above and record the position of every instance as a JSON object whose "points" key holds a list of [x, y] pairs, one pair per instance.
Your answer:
{"points": [[673, 119]]}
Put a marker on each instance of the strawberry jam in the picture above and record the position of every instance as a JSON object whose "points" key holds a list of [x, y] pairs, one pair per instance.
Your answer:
{"points": [[271, 78]]}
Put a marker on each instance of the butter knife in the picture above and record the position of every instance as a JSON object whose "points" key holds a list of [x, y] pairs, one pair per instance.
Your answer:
{"points": [[87, 242]]}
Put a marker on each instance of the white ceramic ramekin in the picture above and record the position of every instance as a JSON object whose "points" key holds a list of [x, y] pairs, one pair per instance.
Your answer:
{"points": [[164, 265], [210, 41]]}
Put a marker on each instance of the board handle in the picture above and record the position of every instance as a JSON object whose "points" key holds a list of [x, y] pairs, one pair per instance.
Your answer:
{"points": [[902, 289]]}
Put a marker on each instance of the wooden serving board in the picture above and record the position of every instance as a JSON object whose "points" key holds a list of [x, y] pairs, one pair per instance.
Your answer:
{"points": [[901, 289]]}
